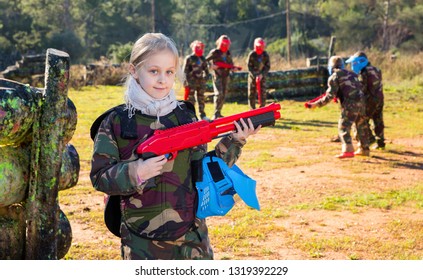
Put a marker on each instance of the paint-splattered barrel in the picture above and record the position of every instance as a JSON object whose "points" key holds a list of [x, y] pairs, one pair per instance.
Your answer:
{"points": [[69, 171], [12, 232], [19, 104], [14, 174]]}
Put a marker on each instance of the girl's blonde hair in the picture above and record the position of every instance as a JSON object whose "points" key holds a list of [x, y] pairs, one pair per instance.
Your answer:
{"points": [[149, 44]]}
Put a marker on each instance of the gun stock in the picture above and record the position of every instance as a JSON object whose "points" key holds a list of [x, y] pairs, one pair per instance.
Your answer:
{"points": [[170, 141]]}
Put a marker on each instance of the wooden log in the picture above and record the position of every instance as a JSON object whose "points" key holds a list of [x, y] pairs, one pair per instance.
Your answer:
{"points": [[35, 58], [331, 50], [18, 106], [69, 171], [46, 157], [14, 174], [316, 61], [12, 232], [297, 92]]}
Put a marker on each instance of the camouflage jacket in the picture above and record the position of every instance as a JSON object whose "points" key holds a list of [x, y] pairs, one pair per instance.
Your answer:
{"points": [[216, 55], [371, 80], [258, 64], [163, 207], [345, 86], [196, 69]]}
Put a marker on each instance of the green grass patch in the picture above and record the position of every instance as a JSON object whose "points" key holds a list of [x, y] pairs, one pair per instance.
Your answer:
{"points": [[411, 197]]}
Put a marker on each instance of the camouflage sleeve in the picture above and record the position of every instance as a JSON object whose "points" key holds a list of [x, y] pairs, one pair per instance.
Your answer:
{"points": [[266, 67], [205, 68], [229, 149], [250, 64], [331, 92], [110, 174], [185, 66], [374, 81], [210, 56], [229, 58], [199, 152]]}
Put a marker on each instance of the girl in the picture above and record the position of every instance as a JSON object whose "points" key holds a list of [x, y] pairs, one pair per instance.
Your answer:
{"points": [[157, 196]]}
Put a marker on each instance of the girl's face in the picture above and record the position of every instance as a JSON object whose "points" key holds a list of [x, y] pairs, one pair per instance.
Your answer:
{"points": [[157, 75]]}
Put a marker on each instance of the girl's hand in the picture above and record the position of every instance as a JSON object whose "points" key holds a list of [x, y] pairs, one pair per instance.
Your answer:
{"points": [[150, 168], [245, 131]]}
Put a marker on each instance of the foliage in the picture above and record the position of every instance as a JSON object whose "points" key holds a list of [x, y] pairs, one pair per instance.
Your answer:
{"points": [[91, 29], [300, 46], [119, 53]]}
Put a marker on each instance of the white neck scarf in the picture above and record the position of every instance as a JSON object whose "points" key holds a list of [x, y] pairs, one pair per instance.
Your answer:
{"points": [[137, 99]]}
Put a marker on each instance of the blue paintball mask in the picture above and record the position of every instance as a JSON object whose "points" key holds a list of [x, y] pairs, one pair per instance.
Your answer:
{"points": [[357, 63]]}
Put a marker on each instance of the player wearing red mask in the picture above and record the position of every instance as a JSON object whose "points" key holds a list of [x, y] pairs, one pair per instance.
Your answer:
{"points": [[258, 62], [196, 73], [220, 60]]}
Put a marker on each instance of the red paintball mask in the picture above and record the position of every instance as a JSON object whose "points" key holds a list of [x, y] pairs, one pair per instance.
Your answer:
{"points": [[259, 46], [198, 49], [224, 45]]}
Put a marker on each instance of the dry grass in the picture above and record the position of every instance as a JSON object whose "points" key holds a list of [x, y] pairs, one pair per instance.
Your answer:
{"points": [[313, 206]]}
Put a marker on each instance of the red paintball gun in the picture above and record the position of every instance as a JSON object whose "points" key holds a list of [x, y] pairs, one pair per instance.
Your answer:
{"points": [[169, 141], [258, 87], [307, 104], [186, 93], [222, 64]]}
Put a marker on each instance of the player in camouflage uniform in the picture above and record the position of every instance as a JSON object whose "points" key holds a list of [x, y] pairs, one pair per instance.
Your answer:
{"points": [[196, 73], [157, 196], [258, 62], [220, 60], [371, 81], [345, 86]]}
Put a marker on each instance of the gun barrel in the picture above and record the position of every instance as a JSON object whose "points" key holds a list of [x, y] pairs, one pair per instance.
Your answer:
{"points": [[264, 116], [185, 136]]}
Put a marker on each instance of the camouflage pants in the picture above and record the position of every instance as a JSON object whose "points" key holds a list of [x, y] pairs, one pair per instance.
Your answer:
{"points": [[253, 94], [196, 96], [220, 88], [374, 113], [193, 245], [353, 113]]}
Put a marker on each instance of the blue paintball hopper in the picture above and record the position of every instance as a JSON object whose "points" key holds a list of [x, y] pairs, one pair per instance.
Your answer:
{"points": [[244, 186], [219, 185]]}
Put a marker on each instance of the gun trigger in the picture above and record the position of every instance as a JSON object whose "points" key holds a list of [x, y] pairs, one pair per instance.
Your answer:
{"points": [[171, 156]]}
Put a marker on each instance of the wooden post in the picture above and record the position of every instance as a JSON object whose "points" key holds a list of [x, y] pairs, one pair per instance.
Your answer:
{"points": [[385, 25], [331, 50], [288, 33], [46, 158], [153, 15]]}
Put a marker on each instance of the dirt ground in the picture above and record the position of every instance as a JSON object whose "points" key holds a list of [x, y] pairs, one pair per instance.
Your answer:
{"points": [[304, 184]]}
